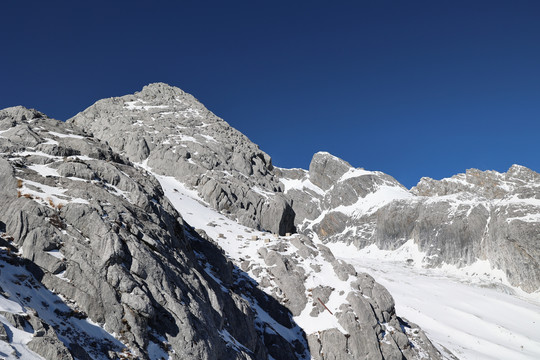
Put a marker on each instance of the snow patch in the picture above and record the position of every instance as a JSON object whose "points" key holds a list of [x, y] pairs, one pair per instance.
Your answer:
{"points": [[44, 170], [373, 201], [133, 105], [353, 173], [300, 184], [60, 135]]}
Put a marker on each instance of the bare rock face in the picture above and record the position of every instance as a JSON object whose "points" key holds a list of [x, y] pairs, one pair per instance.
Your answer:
{"points": [[345, 314], [479, 215], [488, 184], [100, 234], [325, 169], [175, 135]]}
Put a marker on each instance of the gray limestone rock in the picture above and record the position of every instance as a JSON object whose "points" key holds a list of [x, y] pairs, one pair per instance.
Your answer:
{"points": [[109, 241], [333, 223], [325, 169], [3, 333], [362, 308], [343, 270], [305, 246], [482, 215], [306, 201], [176, 135], [101, 233], [320, 294], [50, 348], [290, 279], [369, 329], [17, 320], [366, 344]]}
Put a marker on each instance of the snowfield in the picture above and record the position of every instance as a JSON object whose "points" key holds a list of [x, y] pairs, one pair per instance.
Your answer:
{"points": [[476, 315]]}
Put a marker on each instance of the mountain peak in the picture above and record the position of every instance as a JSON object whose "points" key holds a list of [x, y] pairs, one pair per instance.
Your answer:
{"points": [[20, 113], [523, 173], [325, 169], [161, 89], [163, 125], [164, 94]]}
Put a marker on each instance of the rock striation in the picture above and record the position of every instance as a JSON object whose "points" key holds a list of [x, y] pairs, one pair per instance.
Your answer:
{"points": [[344, 313], [163, 125], [172, 133], [94, 238]]}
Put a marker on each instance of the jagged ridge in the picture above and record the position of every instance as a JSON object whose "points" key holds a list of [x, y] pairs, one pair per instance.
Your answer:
{"points": [[469, 217]]}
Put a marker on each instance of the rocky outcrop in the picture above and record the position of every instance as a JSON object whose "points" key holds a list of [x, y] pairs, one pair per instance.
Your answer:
{"points": [[172, 133], [45, 341], [325, 170], [166, 126], [479, 215], [100, 233], [346, 315]]}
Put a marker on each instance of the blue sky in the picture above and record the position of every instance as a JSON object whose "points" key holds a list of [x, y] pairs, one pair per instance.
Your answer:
{"points": [[411, 88]]}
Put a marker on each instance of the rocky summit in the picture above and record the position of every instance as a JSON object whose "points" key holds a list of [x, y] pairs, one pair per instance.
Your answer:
{"points": [[146, 227], [174, 134]]}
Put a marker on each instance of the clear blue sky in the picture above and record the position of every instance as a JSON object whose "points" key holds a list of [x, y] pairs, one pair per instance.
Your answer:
{"points": [[411, 88]]}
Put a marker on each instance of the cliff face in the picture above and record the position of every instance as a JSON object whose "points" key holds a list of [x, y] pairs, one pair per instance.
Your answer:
{"points": [[87, 235], [468, 217]]}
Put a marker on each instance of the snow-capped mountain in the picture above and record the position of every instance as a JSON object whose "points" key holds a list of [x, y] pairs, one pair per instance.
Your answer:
{"points": [[149, 227], [477, 216]]}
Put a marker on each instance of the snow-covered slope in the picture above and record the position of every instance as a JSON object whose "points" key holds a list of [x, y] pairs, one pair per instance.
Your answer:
{"points": [[107, 238], [470, 311], [469, 217], [35, 319], [98, 234], [456, 253]]}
